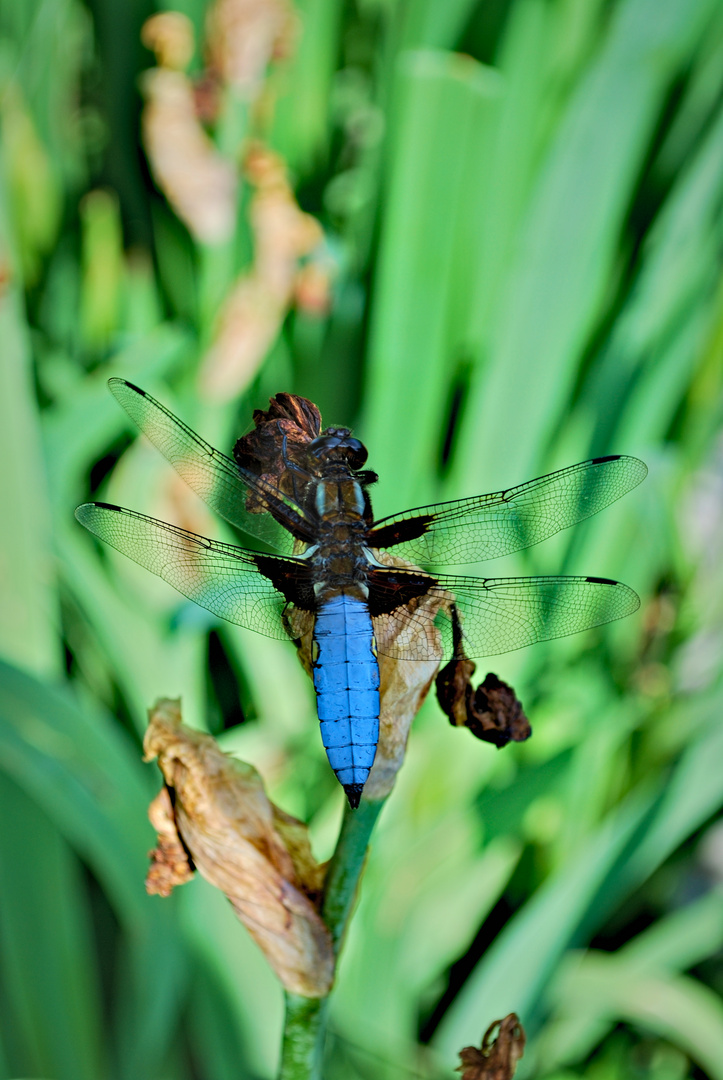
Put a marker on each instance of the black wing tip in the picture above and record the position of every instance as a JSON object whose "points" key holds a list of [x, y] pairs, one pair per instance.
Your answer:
{"points": [[82, 510], [633, 598], [105, 506], [353, 794], [117, 381], [643, 468]]}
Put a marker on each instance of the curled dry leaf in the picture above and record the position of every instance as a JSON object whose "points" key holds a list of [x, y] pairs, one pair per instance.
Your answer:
{"points": [[253, 312], [492, 712], [497, 1058], [244, 35], [171, 864], [239, 841], [281, 431], [199, 183]]}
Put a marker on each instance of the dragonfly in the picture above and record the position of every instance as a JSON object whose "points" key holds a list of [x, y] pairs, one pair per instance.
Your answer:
{"points": [[366, 586]]}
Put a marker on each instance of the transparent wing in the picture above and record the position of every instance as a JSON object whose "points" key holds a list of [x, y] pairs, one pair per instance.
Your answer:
{"points": [[499, 615], [488, 526], [213, 476], [220, 577]]}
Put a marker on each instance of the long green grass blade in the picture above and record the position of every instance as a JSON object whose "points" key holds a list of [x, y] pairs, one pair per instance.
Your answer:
{"points": [[513, 973], [49, 976], [82, 772]]}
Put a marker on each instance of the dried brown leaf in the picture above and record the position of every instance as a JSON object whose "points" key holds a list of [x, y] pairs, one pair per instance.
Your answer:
{"points": [[255, 853], [199, 183], [280, 432], [170, 864], [492, 712], [404, 684], [497, 1058]]}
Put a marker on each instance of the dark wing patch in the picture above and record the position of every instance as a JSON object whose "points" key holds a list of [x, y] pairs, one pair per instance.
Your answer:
{"points": [[291, 578], [241, 586], [392, 588], [400, 532], [489, 526]]}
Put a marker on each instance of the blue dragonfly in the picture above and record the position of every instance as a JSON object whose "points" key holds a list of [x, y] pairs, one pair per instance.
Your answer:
{"points": [[304, 492]]}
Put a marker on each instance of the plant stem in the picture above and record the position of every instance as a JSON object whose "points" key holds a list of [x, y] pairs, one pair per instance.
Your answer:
{"points": [[305, 1025], [303, 1042], [346, 866]]}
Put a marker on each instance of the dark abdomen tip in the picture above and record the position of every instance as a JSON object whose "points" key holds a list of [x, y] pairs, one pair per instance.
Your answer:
{"points": [[353, 794]]}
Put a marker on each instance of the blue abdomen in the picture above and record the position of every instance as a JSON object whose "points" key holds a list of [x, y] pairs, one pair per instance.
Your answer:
{"points": [[346, 680]]}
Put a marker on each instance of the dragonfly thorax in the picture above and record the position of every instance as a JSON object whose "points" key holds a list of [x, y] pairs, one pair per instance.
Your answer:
{"points": [[339, 557], [340, 499]]}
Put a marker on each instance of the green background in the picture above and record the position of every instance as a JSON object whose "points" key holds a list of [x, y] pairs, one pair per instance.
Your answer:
{"points": [[523, 201]]}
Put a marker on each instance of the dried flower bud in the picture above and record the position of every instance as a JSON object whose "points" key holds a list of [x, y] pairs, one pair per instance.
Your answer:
{"points": [[253, 313], [256, 854], [312, 288], [170, 36], [281, 432], [199, 183], [497, 1059], [244, 35]]}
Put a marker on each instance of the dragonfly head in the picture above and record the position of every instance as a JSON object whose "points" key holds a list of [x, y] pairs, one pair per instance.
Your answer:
{"points": [[338, 445]]}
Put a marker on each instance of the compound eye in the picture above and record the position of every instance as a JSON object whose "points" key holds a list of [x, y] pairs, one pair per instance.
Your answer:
{"points": [[357, 453], [320, 446]]}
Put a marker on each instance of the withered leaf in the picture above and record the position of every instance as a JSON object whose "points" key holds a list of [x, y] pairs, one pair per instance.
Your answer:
{"points": [[281, 434], [295, 418], [492, 712], [303, 413], [497, 1058], [170, 862], [238, 840]]}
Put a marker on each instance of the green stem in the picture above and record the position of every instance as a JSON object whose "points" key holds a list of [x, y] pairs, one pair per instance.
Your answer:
{"points": [[305, 1024], [303, 1043], [346, 866]]}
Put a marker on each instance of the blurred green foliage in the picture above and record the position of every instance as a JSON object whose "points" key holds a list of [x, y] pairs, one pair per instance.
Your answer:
{"points": [[523, 202]]}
